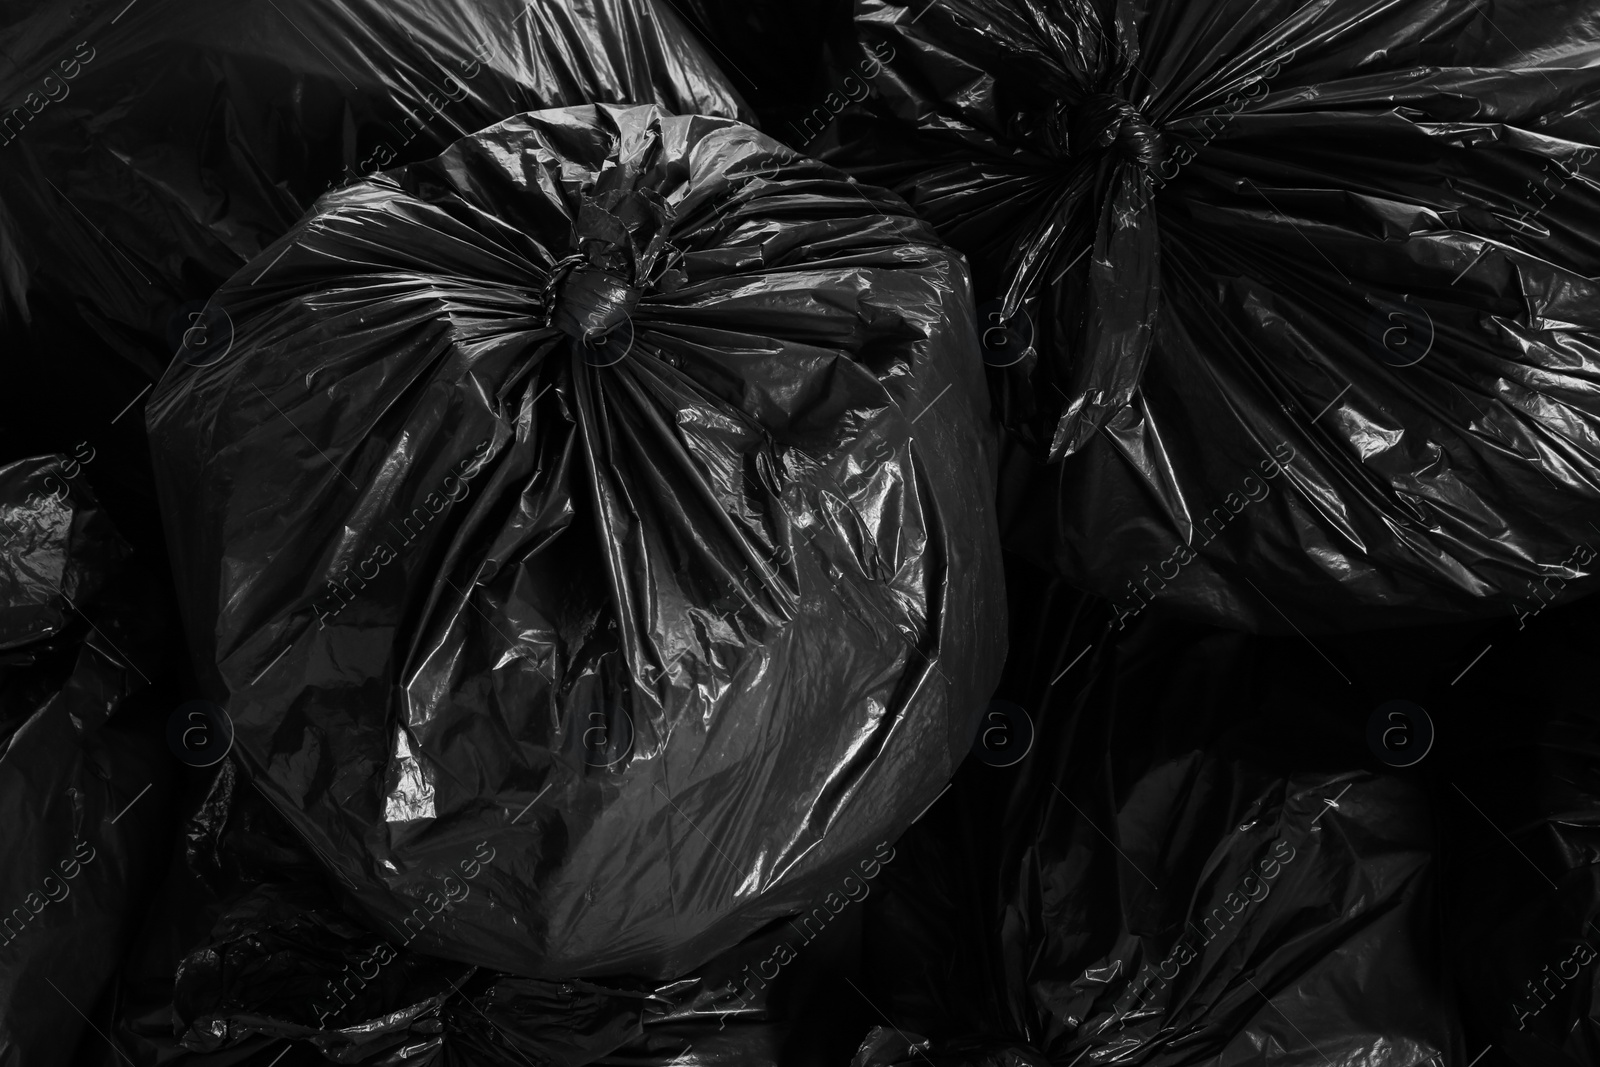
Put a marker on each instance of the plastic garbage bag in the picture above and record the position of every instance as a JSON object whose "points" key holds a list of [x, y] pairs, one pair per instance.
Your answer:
{"points": [[1171, 846], [82, 793], [247, 959], [281, 968], [149, 150], [1522, 821], [1291, 304], [589, 535]]}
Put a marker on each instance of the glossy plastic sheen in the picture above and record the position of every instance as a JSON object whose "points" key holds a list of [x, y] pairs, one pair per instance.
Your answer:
{"points": [[648, 634], [1198, 861], [81, 799], [149, 150], [1356, 234]]}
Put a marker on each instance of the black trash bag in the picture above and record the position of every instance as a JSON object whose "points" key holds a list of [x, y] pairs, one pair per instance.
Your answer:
{"points": [[246, 958], [1522, 804], [626, 633], [1170, 847], [231, 844], [149, 151], [285, 965], [82, 794], [1219, 241]]}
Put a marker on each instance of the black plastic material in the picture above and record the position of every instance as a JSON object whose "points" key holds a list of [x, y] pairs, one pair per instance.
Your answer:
{"points": [[1187, 845], [583, 657], [1349, 243], [247, 959], [150, 150], [82, 799]]}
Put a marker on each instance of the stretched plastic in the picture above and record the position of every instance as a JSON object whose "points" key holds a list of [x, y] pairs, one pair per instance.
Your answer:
{"points": [[1172, 846], [247, 959], [1290, 304], [590, 536], [81, 798], [149, 150]]}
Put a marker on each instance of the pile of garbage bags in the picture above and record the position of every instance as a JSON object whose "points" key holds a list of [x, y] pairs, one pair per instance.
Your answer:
{"points": [[852, 533], [1187, 844], [86, 651], [624, 553], [1290, 303]]}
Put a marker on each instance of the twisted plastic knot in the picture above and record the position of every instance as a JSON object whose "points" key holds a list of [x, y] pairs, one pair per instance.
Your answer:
{"points": [[1109, 123], [590, 303]]}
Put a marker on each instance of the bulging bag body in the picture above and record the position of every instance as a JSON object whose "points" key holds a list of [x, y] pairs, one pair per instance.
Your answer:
{"points": [[590, 535], [1291, 305], [149, 150]]}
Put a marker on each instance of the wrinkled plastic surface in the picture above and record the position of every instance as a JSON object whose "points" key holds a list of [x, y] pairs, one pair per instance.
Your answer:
{"points": [[1309, 288], [623, 635], [247, 960], [80, 798], [1521, 899], [1439, 906], [1197, 861], [149, 151]]}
